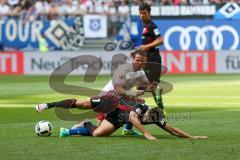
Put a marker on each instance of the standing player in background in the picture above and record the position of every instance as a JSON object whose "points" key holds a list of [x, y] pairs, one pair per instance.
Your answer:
{"points": [[151, 39]]}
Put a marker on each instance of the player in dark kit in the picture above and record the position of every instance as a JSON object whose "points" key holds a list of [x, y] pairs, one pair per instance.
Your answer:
{"points": [[137, 115], [151, 39]]}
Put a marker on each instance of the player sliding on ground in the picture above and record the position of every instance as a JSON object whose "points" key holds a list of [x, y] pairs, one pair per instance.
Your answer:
{"points": [[137, 115]]}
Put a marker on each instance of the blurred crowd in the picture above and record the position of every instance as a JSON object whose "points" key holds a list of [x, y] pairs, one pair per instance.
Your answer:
{"points": [[51, 9]]}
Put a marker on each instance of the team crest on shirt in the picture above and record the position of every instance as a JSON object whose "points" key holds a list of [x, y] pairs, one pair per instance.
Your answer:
{"points": [[145, 30], [156, 31]]}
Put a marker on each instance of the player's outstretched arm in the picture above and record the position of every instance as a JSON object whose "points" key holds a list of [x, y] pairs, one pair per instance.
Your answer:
{"points": [[133, 117], [180, 133]]}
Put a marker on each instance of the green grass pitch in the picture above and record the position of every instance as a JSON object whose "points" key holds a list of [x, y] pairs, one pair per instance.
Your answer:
{"points": [[199, 104]]}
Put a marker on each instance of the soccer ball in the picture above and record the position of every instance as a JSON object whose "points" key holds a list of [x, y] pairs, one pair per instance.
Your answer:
{"points": [[43, 128]]}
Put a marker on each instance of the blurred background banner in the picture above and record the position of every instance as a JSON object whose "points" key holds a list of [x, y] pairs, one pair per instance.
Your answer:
{"points": [[36, 63], [200, 34], [177, 62], [182, 10], [228, 62], [45, 64], [190, 62], [11, 63], [17, 34]]}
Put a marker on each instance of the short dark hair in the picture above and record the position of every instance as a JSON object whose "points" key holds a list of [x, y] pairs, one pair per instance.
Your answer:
{"points": [[144, 6], [140, 52]]}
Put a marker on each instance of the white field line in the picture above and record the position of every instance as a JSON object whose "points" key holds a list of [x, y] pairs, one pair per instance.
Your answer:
{"points": [[233, 109], [203, 97], [2, 105], [210, 105], [206, 89]]}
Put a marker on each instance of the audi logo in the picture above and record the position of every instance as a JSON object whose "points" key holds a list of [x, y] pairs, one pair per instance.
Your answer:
{"points": [[202, 38]]}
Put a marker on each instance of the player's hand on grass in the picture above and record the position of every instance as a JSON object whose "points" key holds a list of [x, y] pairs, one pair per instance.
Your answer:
{"points": [[199, 137], [149, 137]]}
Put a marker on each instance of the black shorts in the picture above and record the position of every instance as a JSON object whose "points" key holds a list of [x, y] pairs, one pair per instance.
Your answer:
{"points": [[118, 117], [153, 67]]}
